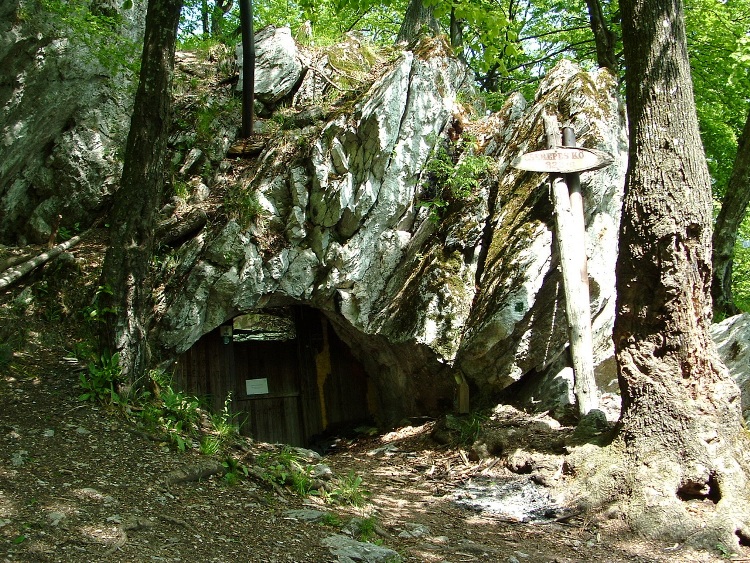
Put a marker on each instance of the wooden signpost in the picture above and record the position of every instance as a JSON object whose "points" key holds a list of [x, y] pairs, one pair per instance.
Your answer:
{"points": [[563, 164]]}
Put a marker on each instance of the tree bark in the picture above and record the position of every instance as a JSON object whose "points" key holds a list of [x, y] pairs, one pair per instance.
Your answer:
{"points": [[221, 7], [418, 20], [681, 431], [603, 36], [733, 209], [248, 66], [456, 32], [125, 273]]}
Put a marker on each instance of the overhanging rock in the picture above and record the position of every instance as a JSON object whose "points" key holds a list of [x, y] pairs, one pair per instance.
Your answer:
{"points": [[421, 303]]}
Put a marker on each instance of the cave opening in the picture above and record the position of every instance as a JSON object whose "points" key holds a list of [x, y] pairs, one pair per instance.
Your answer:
{"points": [[291, 378]]}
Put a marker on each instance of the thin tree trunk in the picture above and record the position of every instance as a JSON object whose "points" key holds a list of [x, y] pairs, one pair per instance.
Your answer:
{"points": [[125, 272], [248, 66], [456, 31], [733, 209], [205, 18], [603, 36], [15, 272]]}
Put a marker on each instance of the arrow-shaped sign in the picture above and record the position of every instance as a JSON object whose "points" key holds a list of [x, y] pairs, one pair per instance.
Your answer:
{"points": [[563, 160]]}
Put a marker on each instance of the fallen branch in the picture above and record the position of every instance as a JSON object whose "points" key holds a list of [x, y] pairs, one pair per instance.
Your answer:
{"points": [[13, 274]]}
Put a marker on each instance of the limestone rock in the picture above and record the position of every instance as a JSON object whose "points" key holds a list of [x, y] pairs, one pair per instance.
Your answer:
{"points": [[732, 339], [348, 550], [64, 115], [278, 68], [420, 303], [517, 325]]}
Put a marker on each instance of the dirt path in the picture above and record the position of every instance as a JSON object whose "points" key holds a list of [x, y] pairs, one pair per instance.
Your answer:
{"points": [[79, 484]]}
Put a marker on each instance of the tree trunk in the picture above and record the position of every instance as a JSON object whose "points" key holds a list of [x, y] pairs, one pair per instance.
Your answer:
{"points": [[732, 212], [125, 272], [248, 66], [603, 36], [418, 20], [681, 431], [456, 33], [221, 7], [205, 19]]}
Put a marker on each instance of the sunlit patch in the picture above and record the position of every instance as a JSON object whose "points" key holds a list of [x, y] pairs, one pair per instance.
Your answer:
{"points": [[7, 506], [92, 494], [39, 546], [405, 432], [519, 500], [104, 535], [57, 512]]}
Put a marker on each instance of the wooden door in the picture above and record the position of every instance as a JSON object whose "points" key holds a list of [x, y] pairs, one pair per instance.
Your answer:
{"points": [[267, 390]]}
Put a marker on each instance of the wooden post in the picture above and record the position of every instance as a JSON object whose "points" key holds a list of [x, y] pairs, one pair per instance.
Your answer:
{"points": [[571, 242]]}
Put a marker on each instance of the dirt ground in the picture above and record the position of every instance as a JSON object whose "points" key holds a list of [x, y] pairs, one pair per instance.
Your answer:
{"points": [[83, 483], [79, 483]]}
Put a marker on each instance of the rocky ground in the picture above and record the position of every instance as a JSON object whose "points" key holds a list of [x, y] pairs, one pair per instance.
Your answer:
{"points": [[83, 483]]}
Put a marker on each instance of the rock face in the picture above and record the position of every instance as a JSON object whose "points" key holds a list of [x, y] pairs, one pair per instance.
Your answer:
{"points": [[64, 114], [422, 303], [732, 339], [518, 328]]}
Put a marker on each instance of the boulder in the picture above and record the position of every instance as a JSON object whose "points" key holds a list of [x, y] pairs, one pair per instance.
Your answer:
{"points": [[347, 550], [278, 67]]}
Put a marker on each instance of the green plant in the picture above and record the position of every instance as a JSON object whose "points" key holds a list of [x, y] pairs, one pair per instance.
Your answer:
{"points": [[726, 553], [367, 528], [349, 490], [331, 519], [179, 406], [467, 427], [242, 205], [6, 355], [286, 468], [224, 423], [234, 470], [100, 381], [453, 173], [97, 312], [181, 189], [65, 233], [176, 433], [210, 445]]}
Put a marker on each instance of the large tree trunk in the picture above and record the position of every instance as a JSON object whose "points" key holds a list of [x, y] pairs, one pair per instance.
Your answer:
{"points": [[681, 433], [132, 220], [418, 20], [732, 212]]}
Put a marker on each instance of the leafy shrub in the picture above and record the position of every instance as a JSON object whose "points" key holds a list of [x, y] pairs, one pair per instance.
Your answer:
{"points": [[349, 490], [100, 381], [453, 175]]}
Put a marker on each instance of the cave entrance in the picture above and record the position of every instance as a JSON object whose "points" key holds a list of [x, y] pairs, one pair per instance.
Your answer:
{"points": [[290, 376]]}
